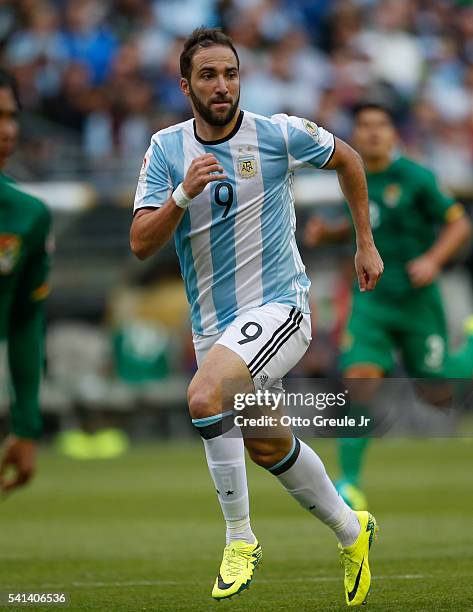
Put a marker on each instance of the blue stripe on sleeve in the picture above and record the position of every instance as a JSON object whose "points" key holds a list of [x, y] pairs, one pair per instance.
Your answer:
{"points": [[306, 149]]}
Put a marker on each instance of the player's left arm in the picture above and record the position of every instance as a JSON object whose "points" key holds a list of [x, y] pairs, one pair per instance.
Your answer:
{"points": [[456, 229], [311, 145], [351, 176], [25, 356]]}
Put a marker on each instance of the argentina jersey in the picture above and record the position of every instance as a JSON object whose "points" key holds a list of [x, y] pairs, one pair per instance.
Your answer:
{"points": [[236, 241]]}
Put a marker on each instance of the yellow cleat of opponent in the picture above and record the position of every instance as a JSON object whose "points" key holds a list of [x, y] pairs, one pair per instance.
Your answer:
{"points": [[236, 571], [354, 560]]}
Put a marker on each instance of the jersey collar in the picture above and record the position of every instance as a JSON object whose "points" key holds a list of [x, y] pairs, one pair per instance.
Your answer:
{"points": [[236, 127]]}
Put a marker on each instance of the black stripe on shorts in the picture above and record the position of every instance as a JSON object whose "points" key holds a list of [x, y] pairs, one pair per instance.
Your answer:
{"points": [[275, 342], [268, 343]]}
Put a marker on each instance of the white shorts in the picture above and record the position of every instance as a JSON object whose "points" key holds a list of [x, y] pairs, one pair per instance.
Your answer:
{"points": [[271, 339]]}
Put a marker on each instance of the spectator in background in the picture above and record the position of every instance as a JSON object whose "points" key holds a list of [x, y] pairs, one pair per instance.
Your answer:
{"points": [[167, 89], [395, 53], [38, 50], [70, 106], [192, 14], [75, 59], [88, 39], [152, 41], [125, 17], [447, 73], [135, 126], [121, 124], [452, 156], [285, 89], [342, 25]]}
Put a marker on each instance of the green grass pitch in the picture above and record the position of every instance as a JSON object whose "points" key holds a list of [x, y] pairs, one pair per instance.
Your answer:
{"points": [[144, 532]]}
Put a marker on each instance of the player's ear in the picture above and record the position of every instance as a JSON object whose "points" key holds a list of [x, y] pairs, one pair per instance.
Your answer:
{"points": [[184, 83]]}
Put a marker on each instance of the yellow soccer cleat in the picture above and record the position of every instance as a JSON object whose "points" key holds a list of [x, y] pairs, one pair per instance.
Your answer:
{"points": [[354, 560], [236, 571], [468, 325]]}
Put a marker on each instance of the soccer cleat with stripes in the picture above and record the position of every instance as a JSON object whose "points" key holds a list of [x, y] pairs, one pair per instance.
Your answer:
{"points": [[354, 560], [236, 570]]}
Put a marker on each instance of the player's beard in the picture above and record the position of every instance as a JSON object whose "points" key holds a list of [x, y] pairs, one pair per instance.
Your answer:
{"points": [[208, 115]]}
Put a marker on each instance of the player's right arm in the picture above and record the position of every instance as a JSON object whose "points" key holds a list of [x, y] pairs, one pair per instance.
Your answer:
{"points": [[155, 221]]}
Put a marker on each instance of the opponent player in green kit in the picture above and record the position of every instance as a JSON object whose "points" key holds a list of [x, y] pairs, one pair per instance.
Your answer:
{"points": [[417, 229], [24, 229]]}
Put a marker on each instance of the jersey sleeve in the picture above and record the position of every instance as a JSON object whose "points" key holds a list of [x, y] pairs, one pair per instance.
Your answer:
{"points": [[308, 144], [440, 207], [154, 183], [26, 331]]}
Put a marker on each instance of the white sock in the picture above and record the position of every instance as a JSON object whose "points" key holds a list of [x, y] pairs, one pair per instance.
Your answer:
{"points": [[226, 461], [303, 475]]}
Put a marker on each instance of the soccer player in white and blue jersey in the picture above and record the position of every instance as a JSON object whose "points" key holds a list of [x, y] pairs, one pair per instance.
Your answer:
{"points": [[221, 184]]}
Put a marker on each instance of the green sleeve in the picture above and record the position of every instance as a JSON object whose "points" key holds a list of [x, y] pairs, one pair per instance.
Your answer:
{"points": [[436, 203], [26, 334]]}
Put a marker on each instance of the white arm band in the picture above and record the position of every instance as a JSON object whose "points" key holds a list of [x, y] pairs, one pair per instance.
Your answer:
{"points": [[180, 197]]}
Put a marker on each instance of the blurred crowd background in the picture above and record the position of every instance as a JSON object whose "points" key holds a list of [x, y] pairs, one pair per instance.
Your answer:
{"points": [[97, 78]]}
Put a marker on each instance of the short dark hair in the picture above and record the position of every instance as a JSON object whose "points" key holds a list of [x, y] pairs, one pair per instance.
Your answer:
{"points": [[8, 80], [202, 38], [374, 105]]}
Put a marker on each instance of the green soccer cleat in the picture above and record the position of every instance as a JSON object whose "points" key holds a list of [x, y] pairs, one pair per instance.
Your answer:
{"points": [[468, 326], [236, 571], [352, 495], [354, 560]]}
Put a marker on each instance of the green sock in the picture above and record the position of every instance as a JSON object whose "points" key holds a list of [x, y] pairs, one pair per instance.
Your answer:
{"points": [[351, 454]]}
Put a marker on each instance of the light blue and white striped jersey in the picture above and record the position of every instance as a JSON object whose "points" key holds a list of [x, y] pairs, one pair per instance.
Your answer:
{"points": [[235, 242]]}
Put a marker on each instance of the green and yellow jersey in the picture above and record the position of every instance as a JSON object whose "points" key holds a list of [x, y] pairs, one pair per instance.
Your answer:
{"points": [[407, 208], [25, 225]]}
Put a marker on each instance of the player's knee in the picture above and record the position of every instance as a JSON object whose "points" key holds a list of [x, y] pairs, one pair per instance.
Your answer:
{"points": [[363, 382], [437, 393], [267, 453], [203, 401]]}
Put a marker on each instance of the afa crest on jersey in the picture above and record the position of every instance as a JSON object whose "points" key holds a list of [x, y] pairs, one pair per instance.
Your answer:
{"points": [[392, 195], [247, 166], [9, 252]]}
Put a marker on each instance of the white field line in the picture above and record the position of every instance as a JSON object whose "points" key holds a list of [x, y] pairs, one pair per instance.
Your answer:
{"points": [[152, 583]]}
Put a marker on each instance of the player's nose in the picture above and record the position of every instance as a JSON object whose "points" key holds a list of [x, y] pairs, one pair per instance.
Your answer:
{"points": [[221, 86]]}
